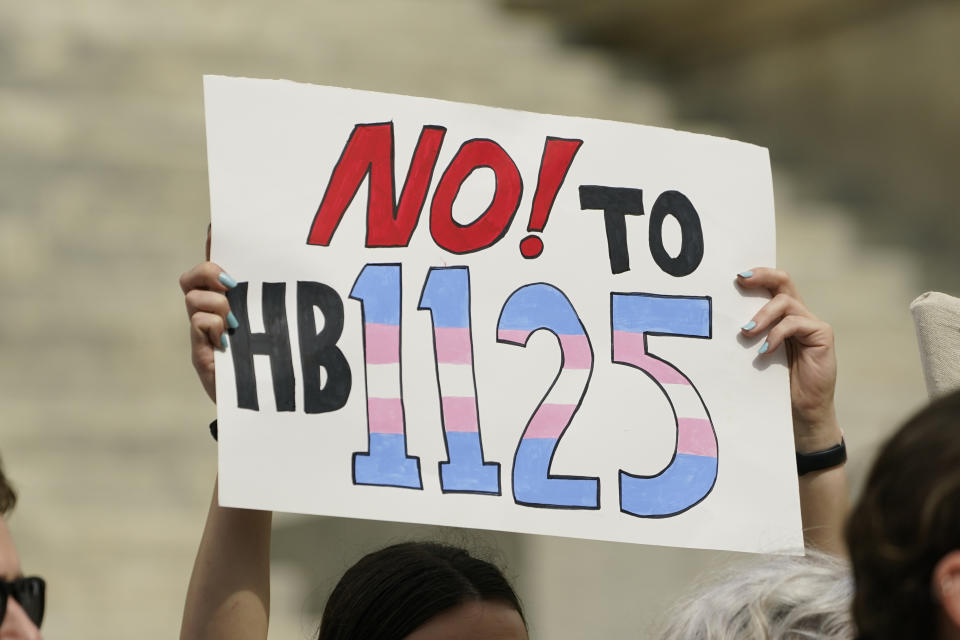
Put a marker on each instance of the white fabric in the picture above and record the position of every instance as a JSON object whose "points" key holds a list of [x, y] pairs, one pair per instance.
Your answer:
{"points": [[936, 317]]}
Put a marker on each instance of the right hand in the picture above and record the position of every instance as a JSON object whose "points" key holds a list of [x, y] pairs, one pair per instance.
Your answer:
{"points": [[810, 353], [210, 316]]}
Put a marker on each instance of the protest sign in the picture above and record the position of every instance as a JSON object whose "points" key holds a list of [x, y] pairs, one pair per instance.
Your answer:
{"points": [[471, 316]]}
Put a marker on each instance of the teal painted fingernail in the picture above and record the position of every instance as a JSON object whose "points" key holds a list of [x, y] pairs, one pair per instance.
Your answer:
{"points": [[223, 341], [232, 320], [226, 280], [745, 274], [749, 325], [764, 347]]}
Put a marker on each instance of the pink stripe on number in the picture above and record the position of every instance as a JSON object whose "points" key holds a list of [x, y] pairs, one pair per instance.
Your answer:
{"points": [[576, 352], [385, 415], [695, 436], [663, 372], [628, 347], [382, 342], [550, 420], [453, 345], [513, 335], [459, 414]]}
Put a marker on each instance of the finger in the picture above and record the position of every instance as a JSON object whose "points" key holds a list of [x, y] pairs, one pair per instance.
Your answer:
{"points": [[210, 302], [808, 331], [769, 314], [775, 281], [207, 275], [208, 330]]}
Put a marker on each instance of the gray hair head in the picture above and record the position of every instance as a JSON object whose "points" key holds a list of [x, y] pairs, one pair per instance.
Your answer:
{"points": [[774, 598]]}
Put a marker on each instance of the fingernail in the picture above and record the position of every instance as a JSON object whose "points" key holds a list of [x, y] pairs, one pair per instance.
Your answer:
{"points": [[232, 320], [223, 341], [749, 325], [226, 280], [764, 347], [745, 274]]}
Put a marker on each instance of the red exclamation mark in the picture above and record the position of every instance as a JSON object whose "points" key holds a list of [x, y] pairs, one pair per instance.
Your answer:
{"points": [[557, 157]]}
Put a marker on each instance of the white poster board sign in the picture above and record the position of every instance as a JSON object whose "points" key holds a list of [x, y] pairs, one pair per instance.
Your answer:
{"points": [[462, 315]]}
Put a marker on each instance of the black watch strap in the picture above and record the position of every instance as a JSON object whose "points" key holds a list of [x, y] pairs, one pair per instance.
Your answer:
{"points": [[818, 460]]}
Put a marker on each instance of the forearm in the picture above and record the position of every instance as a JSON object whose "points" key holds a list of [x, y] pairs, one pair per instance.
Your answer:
{"points": [[824, 496], [824, 503], [229, 592]]}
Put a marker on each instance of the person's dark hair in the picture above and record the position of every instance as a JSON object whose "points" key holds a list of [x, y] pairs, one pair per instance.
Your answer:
{"points": [[8, 497], [906, 520], [391, 592]]}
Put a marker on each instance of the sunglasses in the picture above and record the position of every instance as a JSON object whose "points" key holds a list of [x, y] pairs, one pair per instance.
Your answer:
{"points": [[29, 592]]}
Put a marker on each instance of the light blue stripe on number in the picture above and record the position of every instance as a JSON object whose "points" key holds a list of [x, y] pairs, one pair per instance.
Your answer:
{"points": [[538, 306], [681, 485], [447, 295], [532, 486], [387, 464], [643, 313], [378, 286], [466, 471]]}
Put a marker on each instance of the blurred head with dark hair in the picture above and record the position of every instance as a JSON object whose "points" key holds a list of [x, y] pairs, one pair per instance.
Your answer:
{"points": [[904, 533], [8, 498], [16, 623], [422, 591]]}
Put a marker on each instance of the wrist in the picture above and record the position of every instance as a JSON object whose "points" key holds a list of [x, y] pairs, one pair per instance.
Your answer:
{"points": [[830, 458], [811, 436]]}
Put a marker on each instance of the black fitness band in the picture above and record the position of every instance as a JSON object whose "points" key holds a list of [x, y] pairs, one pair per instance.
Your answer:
{"points": [[819, 460]]}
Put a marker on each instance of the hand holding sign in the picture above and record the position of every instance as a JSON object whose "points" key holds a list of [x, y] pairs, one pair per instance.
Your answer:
{"points": [[810, 352], [210, 316]]}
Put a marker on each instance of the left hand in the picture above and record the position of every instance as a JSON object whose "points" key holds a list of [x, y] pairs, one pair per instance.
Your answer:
{"points": [[810, 355]]}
